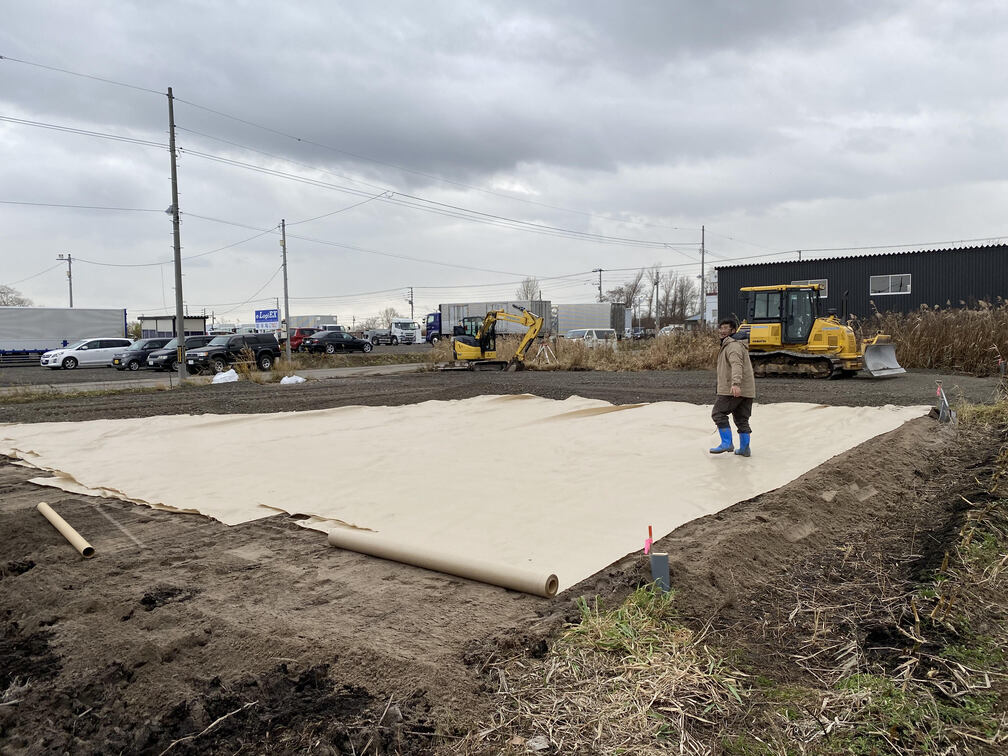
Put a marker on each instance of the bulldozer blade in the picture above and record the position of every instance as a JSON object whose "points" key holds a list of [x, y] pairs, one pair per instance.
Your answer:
{"points": [[880, 361]]}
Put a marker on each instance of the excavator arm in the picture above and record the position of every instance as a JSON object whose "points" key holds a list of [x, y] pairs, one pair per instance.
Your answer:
{"points": [[483, 347]]}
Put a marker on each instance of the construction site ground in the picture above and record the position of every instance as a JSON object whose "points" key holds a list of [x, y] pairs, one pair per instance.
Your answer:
{"points": [[185, 635]]}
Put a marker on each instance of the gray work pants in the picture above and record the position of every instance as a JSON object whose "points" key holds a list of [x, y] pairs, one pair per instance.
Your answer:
{"points": [[740, 408]]}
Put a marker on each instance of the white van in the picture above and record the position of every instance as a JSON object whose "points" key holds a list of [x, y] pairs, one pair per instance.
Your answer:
{"points": [[84, 352], [593, 337]]}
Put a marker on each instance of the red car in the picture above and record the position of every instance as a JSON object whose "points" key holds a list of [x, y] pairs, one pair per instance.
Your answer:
{"points": [[298, 335]]}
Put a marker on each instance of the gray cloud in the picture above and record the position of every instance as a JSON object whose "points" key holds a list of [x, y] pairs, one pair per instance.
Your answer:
{"points": [[752, 118]]}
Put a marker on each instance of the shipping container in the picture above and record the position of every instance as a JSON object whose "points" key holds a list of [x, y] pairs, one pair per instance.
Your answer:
{"points": [[33, 330]]}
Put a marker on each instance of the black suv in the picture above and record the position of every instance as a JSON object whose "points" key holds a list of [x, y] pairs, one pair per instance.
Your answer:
{"points": [[164, 358], [135, 355], [225, 350]]}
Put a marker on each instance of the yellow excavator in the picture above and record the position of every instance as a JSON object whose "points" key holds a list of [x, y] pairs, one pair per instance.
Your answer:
{"points": [[788, 336], [479, 352]]}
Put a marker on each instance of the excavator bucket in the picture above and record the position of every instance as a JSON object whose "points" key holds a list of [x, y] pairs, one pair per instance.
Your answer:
{"points": [[880, 360]]}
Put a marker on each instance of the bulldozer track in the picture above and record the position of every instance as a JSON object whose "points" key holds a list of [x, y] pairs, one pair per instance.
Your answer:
{"points": [[795, 365]]}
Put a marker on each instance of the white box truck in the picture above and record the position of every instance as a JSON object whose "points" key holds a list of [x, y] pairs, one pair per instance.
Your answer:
{"points": [[29, 331]]}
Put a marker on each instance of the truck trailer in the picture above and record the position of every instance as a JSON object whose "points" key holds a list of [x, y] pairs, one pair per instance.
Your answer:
{"points": [[28, 331], [441, 324], [591, 315]]}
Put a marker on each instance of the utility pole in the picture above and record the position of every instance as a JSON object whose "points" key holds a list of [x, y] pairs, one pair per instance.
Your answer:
{"points": [[283, 247], [410, 300], [599, 271], [703, 282], [69, 274], [180, 349]]}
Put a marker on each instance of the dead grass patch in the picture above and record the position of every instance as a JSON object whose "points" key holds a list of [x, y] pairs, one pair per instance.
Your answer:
{"points": [[964, 340], [631, 680]]}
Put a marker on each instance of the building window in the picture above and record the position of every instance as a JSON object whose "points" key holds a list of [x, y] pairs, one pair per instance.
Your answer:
{"points": [[823, 285], [897, 283]]}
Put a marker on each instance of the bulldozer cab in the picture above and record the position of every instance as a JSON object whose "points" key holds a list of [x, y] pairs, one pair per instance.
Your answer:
{"points": [[794, 307]]}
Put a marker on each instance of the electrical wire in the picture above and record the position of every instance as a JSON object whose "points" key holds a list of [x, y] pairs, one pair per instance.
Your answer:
{"points": [[83, 76], [85, 132], [36, 275], [275, 274], [80, 207], [444, 209]]}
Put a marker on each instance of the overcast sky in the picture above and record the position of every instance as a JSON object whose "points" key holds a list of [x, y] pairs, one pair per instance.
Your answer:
{"points": [[458, 147]]}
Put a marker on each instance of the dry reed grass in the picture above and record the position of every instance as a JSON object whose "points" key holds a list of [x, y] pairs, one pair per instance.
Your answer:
{"points": [[959, 340], [681, 350], [629, 681]]}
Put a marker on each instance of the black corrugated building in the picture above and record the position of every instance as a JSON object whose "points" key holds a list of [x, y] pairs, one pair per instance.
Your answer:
{"points": [[899, 281]]}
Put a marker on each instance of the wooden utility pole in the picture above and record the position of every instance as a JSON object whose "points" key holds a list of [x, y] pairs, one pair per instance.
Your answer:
{"points": [[283, 246], [180, 349], [599, 271], [703, 282]]}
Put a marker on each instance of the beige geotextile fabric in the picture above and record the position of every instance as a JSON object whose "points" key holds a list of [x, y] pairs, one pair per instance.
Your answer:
{"points": [[566, 487]]}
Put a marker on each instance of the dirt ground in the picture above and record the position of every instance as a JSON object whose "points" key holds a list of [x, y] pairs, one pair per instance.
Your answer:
{"points": [[179, 621]]}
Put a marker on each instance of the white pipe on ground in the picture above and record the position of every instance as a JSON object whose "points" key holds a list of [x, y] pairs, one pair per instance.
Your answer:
{"points": [[495, 573], [85, 548]]}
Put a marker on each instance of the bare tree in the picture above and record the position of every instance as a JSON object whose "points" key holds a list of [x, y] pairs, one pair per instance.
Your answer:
{"points": [[386, 316], [13, 298], [134, 330], [368, 324], [629, 294], [687, 293], [528, 289]]}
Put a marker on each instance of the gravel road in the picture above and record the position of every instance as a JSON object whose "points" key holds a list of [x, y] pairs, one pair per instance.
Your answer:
{"points": [[917, 387]]}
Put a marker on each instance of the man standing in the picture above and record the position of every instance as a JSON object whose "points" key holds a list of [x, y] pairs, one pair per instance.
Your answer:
{"points": [[736, 389]]}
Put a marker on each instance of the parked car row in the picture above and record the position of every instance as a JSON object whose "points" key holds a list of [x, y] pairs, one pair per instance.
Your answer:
{"points": [[203, 353]]}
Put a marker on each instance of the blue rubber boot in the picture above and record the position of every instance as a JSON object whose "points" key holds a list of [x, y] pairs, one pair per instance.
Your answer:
{"points": [[743, 446], [726, 444]]}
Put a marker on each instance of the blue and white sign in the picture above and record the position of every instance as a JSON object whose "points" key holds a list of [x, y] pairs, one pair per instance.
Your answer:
{"points": [[267, 318]]}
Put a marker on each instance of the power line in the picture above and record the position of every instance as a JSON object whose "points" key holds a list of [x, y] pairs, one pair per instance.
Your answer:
{"points": [[83, 76], [36, 275], [81, 207], [445, 209], [84, 132]]}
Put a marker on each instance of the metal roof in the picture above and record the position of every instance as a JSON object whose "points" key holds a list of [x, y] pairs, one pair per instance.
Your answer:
{"points": [[878, 253]]}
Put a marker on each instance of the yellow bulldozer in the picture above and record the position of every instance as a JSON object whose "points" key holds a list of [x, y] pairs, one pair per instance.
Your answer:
{"points": [[788, 336], [479, 352]]}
